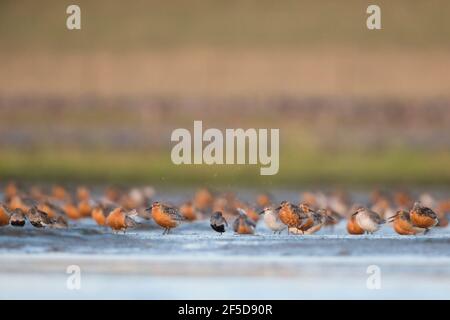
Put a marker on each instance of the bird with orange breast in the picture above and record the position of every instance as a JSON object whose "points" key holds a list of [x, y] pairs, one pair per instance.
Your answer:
{"points": [[320, 218], [83, 193], [243, 224], [120, 220], [423, 217], [98, 215], [4, 215], [85, 208], [402, 224], [17, 203], [353, 226], [112, 194], [291, 215], [60, 193], [251, 213], [10, 191], [46, 208], [189, 212], [165, 216], [203, 200], [72, 211], [263, 200], [84, 202], [307, 223], [315, 221]]}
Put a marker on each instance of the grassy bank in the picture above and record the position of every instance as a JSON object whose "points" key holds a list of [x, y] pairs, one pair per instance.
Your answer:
{"points": [[394, 167]]}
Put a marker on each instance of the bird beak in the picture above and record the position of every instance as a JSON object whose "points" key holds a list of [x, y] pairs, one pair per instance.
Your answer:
{"points": [[148, 209], [391, 219], [261, 212], [278, 208], [330, 219]]}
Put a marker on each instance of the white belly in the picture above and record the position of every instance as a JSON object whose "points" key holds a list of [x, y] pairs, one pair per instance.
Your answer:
{"points": [[366, 223], [273, 223]]}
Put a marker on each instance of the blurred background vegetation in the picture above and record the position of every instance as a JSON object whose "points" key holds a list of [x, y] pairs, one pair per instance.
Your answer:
{"points": [[98, 105]]}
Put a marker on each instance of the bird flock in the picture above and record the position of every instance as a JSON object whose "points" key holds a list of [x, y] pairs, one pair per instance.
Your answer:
{"points": [[121, 209]]}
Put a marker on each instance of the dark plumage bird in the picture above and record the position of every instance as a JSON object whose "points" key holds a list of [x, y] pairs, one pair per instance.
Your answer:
{"points": [[38, 218], [218, 222], [17, 218]]}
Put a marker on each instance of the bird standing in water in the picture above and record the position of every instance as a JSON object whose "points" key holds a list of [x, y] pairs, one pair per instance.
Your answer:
{"points": [[243, 224], [320, 218], [353, 227], [272, 220], [368, 220], [98, 214], [291, 215], [189, 212], [119, 220], [402, 224], [423, 217], [40, 219], [165, 216], [218, 222], [17, 218]]}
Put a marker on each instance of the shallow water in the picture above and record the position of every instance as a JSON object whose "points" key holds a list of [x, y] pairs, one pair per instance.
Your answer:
{"points": [[195, 262]]}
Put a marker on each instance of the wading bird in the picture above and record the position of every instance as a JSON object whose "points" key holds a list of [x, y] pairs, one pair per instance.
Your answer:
{"points": [[17, 218], [291, 215], [368, 220], [401, 222], [218, 222], [243, 224], [423, 217], [272, 220], [119, 220], [165, 216]]}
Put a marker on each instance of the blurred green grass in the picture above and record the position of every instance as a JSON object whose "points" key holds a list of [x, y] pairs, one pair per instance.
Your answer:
{"points": [[394, 167]]}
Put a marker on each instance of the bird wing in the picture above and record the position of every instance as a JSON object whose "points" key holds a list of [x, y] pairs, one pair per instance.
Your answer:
{"points": [[173, 213], [429, 212], [130, 223], [44, 216], [376, 217], [299, 212], [250, 221], [236, 224]]}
